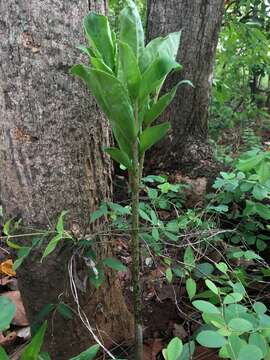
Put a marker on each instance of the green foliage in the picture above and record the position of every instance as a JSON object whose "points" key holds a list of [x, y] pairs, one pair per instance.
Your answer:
{"points": [[236, 329], [243, 195], [241, 80], [177, 351]]}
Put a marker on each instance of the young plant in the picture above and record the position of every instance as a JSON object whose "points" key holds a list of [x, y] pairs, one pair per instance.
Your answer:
{"points": [[126, 77]]}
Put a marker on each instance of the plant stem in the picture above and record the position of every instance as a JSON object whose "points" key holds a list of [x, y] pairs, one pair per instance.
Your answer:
{"points": [[135, 178]]}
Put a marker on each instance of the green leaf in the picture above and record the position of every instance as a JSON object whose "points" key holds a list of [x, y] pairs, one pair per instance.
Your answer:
{"points": [[168, 46], [113, 99], [169, 275], [240, 325], [153, 77], [52, 245], [88, 354], [263, 211], [188, 351], [189, 259], [222, 267], [212, 286], [8, 310], [98, 64], [3, 354], [96, 279], [234, 346], [210, 339], [114, 264], [101, 211], [60, 223], [232, 298], [259, 341], [250, 163], [144, 216], [131, 71], [152, 135], [33, 349], [157, 109], [174, 349], [98, 32], [131, 29], [191, 288], [250, 352], [65, 311], [205, 307], [119, 156], [259, 307]]}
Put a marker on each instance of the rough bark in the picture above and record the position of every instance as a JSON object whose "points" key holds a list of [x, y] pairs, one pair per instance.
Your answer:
{"points": [[200, 21], [51, 157]]}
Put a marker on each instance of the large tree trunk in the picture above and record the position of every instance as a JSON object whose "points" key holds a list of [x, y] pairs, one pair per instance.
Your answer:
{"points": [[200, 22], [51, 158]]}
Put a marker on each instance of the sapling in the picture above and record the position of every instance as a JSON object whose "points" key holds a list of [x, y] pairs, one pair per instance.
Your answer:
{"points": [[126, 77]]}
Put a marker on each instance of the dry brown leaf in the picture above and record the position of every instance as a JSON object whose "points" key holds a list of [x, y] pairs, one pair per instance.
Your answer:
{"points": [[6, 268], [20, 318]]}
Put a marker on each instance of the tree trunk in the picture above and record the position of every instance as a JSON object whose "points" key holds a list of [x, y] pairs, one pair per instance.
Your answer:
{"points": [[51, 159], [186, 148]]}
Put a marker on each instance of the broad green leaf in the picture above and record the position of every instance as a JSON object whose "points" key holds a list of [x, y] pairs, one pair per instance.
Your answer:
{"points": [[33, 349], [168, 45], [131, 28], [153, 77], [259, 307], [189, 259], [240, 325], [259, 341], [250, 163], [122, 141], [119, 156], [152, 135], [88, 354], [131, 71], [114, 264], [222, 267], [52, 245], [211, 286], [156, 109], [191, 288], [250, 352], [205, 307], [234, 346], [112, 98], [263, 211], [3, 354], [7, 312], [98, 32], [210, 339], [174, 349], [232, 298]]}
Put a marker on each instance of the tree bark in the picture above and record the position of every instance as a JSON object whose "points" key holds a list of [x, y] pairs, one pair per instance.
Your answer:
{"points": [[51, 159], [186, 148]]}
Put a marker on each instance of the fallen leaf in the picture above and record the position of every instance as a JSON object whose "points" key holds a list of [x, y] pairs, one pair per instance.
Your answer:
{"points": [[20, 318], [6, 268]]}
